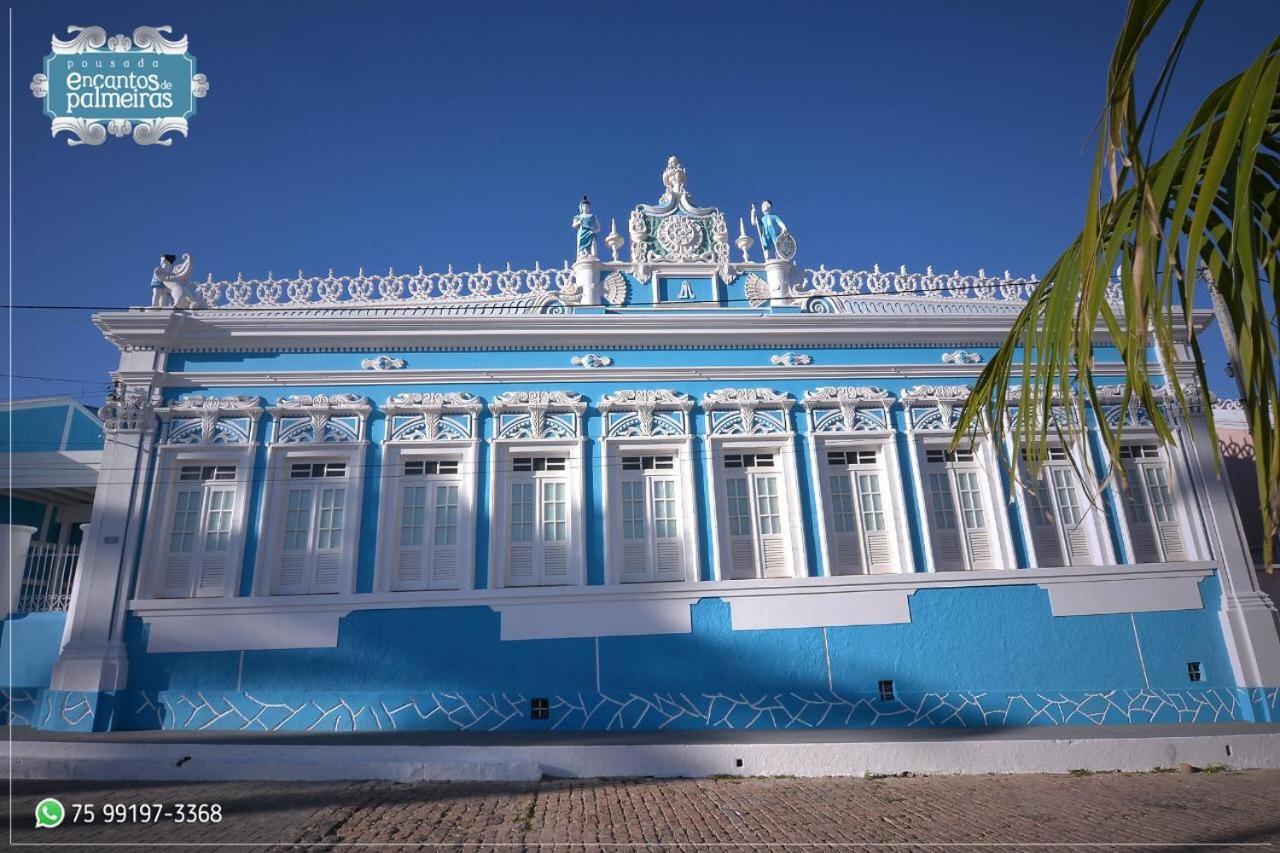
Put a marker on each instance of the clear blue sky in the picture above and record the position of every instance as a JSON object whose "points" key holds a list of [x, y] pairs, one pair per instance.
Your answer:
{"points": [[340, 135]]}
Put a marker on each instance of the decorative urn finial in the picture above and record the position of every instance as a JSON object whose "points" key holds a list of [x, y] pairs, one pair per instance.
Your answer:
{"points": [[614, 240], [743, 242]]}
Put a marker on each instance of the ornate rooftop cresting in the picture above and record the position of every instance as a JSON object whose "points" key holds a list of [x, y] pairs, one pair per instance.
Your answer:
{"points": [[672, 237]]}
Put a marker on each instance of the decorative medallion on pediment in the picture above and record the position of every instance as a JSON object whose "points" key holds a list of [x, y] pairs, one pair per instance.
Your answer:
{"points": [[676, 231]]}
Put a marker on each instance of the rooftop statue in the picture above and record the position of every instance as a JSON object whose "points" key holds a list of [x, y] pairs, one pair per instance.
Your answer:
{"points": [[588, 227], [169, 284], [673, 178], [775, 239]]}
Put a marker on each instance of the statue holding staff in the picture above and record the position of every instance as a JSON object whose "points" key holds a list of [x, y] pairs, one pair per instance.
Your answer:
{"points": [[770, 227]]}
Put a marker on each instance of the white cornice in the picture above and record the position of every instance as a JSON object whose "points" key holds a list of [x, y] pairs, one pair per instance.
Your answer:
{"points": [[615, 376], [385, 329]]}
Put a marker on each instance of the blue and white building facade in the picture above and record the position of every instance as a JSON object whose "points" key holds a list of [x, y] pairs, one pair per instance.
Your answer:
{"points": [[695, 486]]}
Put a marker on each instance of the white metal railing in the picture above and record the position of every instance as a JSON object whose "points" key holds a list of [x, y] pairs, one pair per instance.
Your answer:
{"points": [[422, 287], [47, 578]]}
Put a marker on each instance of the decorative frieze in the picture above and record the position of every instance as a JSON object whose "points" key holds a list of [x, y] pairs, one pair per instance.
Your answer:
{"points": [[538, 415], [848, 408], [747, 411], [320, 418], [416, 416], [646, 412], [204, 419]]}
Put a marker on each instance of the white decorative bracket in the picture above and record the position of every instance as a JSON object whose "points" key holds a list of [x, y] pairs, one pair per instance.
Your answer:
{"points": [[646, 412], [429, 416], [320, 418], [539, 415], [934, 407], [848, 408], [747, 411], [201, 419]]}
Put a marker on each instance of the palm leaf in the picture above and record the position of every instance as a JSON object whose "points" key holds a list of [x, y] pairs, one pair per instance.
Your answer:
{"points": [[1156, 236]]}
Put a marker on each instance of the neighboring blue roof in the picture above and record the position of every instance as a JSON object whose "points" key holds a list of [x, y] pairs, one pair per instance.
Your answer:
{"points": [[48, 424]]}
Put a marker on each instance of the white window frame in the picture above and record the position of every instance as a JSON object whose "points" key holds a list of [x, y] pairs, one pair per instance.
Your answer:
{"points": [[170, 461], [892, 496], [994, 505], [686, 511], [280, 459], [394, 456], [502, 452], [1093, 521], [1180, 492], [782, 446]]}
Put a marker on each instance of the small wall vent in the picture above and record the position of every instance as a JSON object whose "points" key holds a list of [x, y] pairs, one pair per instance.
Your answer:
{"points": [[886, 691], [1194, 672], [540, 709]]}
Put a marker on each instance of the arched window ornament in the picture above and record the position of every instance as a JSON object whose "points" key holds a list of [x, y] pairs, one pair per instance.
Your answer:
{"points": [[934, 407], [539, 414], [747, 411], [204, 419], [320, 418], [848, 408], [646, 412], [432, 416]]}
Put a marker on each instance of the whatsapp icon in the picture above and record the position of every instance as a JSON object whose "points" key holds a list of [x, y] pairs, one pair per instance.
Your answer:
{"points": [[49, 813]]}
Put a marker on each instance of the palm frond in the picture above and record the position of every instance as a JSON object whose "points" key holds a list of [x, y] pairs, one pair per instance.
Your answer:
{"points": [[1155, 236]]}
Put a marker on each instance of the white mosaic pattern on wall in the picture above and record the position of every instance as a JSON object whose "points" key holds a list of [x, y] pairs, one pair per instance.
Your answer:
{"points": [[612, 712]]}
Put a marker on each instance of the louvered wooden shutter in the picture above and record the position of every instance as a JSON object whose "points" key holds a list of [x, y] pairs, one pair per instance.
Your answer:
{"points": [[410, 536], [1044, 530], [177, 576], [948, 548], [740, 527], [213, 573], [845, 554], [773, 546], [445, 533], [520, 504]]}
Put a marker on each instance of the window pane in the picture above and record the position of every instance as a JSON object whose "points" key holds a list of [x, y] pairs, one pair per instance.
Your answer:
{"points": [[1158, 493], [217, 535], [872, 509], [413, 515], [664, 508], [841, 504], [1068, 500], [944, 517], [186, 517], [522, 512], [297, 520], [329, 527], [767, 505], [553, 512], [446, 520], [633, 509], [739, 506], [970, 500]]}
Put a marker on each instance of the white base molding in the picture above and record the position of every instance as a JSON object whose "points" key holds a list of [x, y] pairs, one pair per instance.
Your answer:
{"points": [[311, 621], [666, 754]]}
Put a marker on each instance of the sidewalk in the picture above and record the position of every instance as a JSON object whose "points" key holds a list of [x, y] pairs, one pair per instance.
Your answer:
{"points": [[528, 756], [1148, 810]]}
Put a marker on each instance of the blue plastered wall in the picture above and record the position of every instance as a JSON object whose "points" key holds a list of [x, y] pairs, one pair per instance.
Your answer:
{"points": [[970, 656]]}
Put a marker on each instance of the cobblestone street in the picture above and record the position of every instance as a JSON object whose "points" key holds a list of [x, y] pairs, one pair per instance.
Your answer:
{"points": [[1156, 810]]}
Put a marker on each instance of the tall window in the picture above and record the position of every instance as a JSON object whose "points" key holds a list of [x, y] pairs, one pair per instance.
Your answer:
{"points": [[752, 486], [959, 510], [197, 550], [427, 532], [1056, 512], [315, 528], [1155, 526], [538, 520], [861, 540], [652, 542]]}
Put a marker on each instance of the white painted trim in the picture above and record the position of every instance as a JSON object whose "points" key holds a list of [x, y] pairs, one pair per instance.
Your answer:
{"points": [[393, 455], [637, 609], [276, 489], [554, 375], [169, 459], [612, 449], [500, 450]]}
